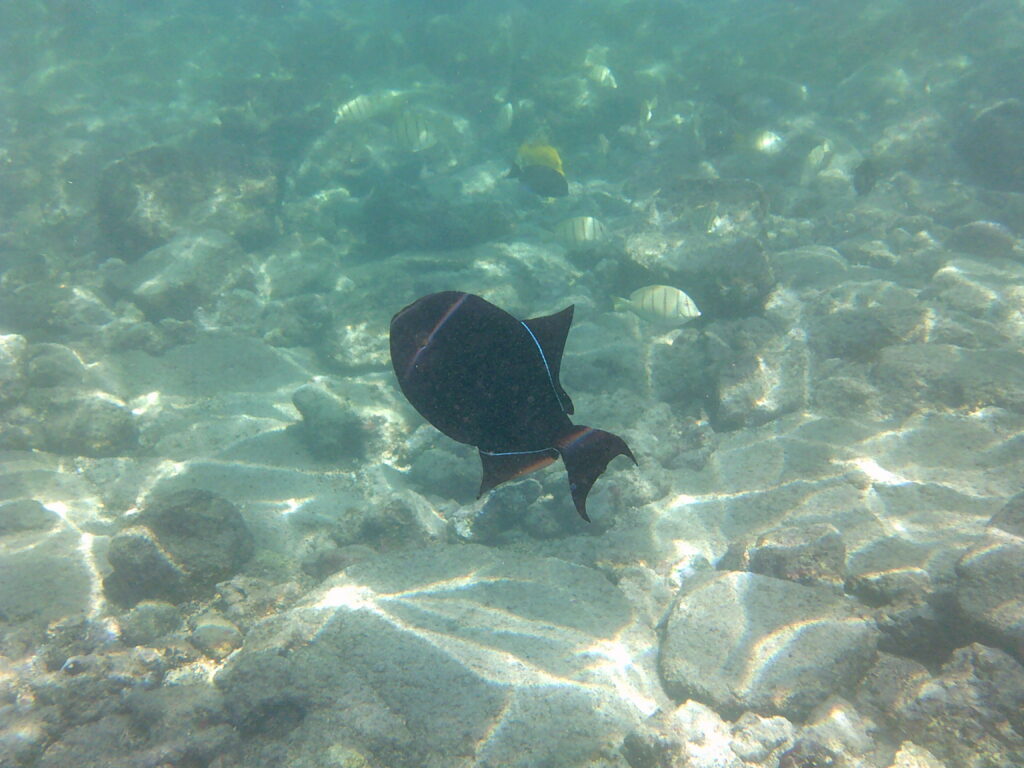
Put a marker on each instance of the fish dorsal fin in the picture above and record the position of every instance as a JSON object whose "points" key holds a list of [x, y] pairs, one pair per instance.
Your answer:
{"points": [[550, 333]]}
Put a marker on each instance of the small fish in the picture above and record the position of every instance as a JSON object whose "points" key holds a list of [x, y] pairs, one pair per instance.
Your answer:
{"points": [[414, 133], [659, 304], [603, 76], [488, 379], [364, 106], [541, 180], [539, 154], [580, 230]]}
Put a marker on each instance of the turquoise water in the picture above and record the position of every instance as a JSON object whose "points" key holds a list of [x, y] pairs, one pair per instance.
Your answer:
{"points": [[791, 236]]}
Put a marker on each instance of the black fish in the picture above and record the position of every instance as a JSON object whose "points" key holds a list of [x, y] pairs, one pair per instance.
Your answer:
{"points": [[541, 180], [487, 379]]}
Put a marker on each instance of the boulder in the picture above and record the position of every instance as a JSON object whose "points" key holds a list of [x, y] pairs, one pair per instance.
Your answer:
{"points": [[742, 641], [536, 661]]}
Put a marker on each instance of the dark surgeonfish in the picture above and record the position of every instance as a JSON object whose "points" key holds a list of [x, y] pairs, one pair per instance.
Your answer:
{"points": [[489, 380]]}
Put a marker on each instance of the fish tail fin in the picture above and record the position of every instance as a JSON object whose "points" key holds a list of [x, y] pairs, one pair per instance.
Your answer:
{"points": [[502, 467], [586, 452], [620, 305]]}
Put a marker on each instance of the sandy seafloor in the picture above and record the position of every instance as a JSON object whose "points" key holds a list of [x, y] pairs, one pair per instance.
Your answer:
{"points": [[227, 540]]}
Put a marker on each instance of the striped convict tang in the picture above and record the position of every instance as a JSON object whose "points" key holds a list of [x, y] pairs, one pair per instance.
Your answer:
{"points": [[660, 304]]}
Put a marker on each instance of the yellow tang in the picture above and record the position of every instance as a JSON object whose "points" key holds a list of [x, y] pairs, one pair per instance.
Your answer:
{"points": [[539, 154]]}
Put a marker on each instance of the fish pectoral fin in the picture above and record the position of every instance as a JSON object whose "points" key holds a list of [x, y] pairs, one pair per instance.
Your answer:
{"points": [[502, 467], [586, 452]]}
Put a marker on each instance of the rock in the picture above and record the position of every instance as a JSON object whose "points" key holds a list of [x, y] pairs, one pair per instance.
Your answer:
{"points": [[685, 737], [1011, 517], [988, 239], [741, 641], [694, 736], [852, 334], [294, 267], [23, 515], [811, 266], [98, 425], [181, 724], [971, 715], [909, 755], [189, 272], [812, 555], [992, 143], [43, 567], [215, 636], [53, 365], [12, 361], [516, 647], [843, 732], [807, 753], [912, 375], [989, 593], [149, 621], [411, 218], [149, 197], [763, 384], [180, 546], [331, 428]]}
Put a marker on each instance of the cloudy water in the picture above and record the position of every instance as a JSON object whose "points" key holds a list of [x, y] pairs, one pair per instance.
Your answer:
{"points": [[284, 285]]}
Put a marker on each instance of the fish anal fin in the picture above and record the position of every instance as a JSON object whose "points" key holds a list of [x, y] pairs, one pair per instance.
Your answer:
{"points": [[586, 452], [551, 332], [502, 467]]}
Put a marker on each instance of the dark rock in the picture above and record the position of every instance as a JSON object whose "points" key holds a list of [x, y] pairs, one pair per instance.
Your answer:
{"points": [[180, 546]]}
